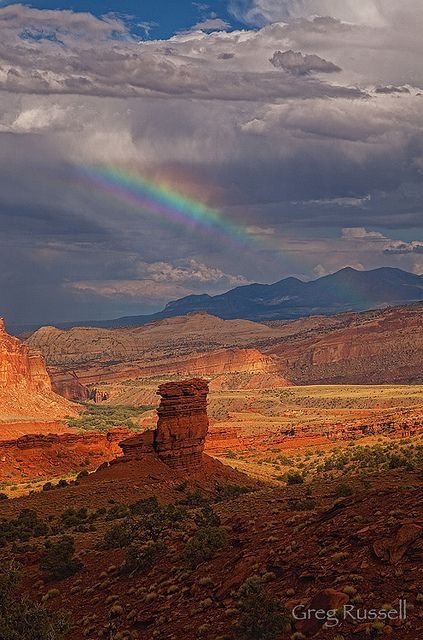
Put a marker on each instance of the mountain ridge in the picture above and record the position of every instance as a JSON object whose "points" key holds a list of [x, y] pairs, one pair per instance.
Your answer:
{"points": [[288, 299]]}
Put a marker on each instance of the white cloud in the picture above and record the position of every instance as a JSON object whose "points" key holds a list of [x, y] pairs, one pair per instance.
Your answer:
{"points": [[58, 52], [161, 281], [191, 272], [360, 233]]}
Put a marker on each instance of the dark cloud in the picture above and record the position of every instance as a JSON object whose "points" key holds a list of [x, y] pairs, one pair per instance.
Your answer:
{"points": [[301, 65], [293, 160], [391, 89]]}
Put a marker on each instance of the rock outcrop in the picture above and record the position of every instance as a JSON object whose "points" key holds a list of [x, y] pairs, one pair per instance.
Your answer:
{"points": [[181, 429], [25, 386], [35, 456], [19, 367]]}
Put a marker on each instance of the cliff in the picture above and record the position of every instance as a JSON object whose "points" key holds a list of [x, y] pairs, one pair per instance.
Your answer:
{"points": [[50, 455], [181, 429], [25, 386]]}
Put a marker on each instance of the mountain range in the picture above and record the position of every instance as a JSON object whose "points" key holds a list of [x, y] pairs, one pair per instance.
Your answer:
{"points": [[288, 299]]}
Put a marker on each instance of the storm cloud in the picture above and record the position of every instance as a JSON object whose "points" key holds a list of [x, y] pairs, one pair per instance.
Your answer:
{"points": [[304, 130]]}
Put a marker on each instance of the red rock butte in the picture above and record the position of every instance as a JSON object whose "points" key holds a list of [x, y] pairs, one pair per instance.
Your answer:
{"points": [[181, 429]]}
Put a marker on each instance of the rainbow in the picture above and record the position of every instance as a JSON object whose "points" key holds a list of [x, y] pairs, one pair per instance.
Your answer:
{"points": [[164, 202]]}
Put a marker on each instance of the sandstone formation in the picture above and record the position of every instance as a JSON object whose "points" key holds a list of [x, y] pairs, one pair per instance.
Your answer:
{"points": [[51, 455], [181, 428], [25, 386], [19, 367], [375, 347]]}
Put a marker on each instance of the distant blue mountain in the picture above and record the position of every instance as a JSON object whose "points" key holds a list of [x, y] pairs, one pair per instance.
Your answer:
{"points": [[291, 298]]}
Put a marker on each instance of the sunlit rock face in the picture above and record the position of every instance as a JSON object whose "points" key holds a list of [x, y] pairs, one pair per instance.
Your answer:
{"points": [[19, 367], [25, 385], [181, 429]]}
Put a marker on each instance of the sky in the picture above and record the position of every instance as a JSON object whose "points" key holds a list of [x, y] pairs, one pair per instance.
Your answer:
{"points": [[152, 149]]}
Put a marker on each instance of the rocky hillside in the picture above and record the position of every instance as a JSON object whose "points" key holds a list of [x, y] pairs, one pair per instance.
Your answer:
{"points": [[382, 346], [25, 386], [371, 348]]}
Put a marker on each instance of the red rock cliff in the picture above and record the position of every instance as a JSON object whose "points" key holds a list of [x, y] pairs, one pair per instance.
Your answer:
{"points": [[181, 428], [25, 386], [19, 367]]}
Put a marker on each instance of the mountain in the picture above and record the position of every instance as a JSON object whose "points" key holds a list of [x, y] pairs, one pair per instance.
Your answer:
{"points": [[288, 299]]}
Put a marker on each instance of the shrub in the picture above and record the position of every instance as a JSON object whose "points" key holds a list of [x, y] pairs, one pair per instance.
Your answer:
{"points": [[142, 507], [59, 560], [120, 535], [207, 517], [117, 511], [142, 557], [294, 477], [262, 616], [304, 504], [194, 499], [229, 491], [105, 417], [343, 490], [71, 518], [25, 526], [21, 619], [203, 545]]}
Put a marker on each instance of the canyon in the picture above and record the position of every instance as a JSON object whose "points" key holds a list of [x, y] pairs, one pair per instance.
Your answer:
{"points": [[374, 347]]}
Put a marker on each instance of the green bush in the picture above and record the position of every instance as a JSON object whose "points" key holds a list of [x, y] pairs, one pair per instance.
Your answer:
{"points": [[105, 417], [262, 617], [25, 526], [204, 544], [343, 490], [142, 557], [59, 560], [294, 477], [120, 535], [229, 491]]}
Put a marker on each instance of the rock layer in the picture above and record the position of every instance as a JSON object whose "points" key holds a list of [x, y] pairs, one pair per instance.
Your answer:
{"points": [[25, 386], [181, 428], [19, 367], [183, 422]]}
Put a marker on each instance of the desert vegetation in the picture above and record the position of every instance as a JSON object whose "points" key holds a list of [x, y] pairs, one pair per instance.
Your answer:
{"points": [[104, 417]]}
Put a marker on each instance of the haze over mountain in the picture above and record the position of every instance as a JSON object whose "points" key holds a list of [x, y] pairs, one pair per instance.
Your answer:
{"points": [[291, 298]]}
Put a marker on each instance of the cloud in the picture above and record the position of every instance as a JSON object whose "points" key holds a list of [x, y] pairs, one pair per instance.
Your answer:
{"points": [[145, 290], [64, 53], [162, 281], [389, 246], [211, 24], [399, 248], [301, 65], [360, 233], [341, 202], [191, 271], [392, 90], [289, 156]]}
